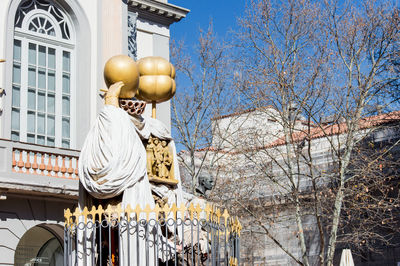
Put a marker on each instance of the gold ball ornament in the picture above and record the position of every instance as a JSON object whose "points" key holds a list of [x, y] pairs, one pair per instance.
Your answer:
{"points": [[156, 81], [122, 68]]}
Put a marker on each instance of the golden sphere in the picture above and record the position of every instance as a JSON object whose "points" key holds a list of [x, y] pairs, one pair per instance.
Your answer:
{"points": [[122, 68], [154, 65], [156, 82], [155, 88]]}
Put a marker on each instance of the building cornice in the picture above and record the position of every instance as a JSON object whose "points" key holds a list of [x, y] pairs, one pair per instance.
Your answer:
{"points": [[150, 8]]}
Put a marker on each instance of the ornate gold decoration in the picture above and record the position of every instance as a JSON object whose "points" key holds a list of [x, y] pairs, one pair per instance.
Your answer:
{"points": [[174, 210], [233, 261], [225, 215], [147, 210], [191, 210], [115, 213], [122, 68], [67, 216], [156, 81], [128, 211], [160, 162], [85, 213]]}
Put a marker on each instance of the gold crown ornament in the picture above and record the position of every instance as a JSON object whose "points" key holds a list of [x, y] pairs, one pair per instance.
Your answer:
{"points": [[122, 68]]}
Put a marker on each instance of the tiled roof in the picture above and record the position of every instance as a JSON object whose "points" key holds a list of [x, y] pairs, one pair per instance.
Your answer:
{"points": [[335, 129], [320, 131]]}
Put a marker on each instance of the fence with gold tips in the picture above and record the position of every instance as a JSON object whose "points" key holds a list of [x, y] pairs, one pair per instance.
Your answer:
{"points": [[177, 235]]}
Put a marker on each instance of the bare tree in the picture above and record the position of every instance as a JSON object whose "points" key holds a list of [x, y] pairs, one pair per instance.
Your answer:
{"points": [[371, 205], [203, 82], [311, 71], [303, 153]]}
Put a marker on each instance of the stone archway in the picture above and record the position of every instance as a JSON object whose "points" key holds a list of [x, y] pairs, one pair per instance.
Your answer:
{"points": [[40, 245]]}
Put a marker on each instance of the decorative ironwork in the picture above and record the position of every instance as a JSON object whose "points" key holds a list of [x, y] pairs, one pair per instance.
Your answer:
{"points": [[132, 32], [39, 23], [193, 235]]}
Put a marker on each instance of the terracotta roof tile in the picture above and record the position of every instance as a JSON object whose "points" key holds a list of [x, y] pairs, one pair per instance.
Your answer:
{"points": [[320, 131]]}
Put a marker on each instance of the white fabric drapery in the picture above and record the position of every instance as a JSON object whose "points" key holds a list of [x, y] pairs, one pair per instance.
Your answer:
{"points": [[113, 162], [113, 157]]}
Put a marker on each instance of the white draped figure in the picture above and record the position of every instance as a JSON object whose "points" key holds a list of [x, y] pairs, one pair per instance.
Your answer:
{"points": [[113, 162]]}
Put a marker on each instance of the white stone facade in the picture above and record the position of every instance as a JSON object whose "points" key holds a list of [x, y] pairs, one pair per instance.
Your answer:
{"points": [[38, 177]]}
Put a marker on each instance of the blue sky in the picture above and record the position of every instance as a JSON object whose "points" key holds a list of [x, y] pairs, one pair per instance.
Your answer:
{"points": [[222, 12]]}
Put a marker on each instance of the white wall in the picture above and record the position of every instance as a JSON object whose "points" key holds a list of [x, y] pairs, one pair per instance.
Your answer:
{"points": [[153, 40], [104, 35], [18, 215]]}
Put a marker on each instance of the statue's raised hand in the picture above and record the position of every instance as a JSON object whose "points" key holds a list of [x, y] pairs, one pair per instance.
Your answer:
{"points": [[112, 94]]}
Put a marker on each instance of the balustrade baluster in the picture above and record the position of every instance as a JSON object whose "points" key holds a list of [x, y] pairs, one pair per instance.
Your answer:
{"points": [[35, 164], [20, 162], [70, 170], [42, 166], [63, 168], [28, 161], [49, 166], [14, 162], [76, 169], [56, 167]]}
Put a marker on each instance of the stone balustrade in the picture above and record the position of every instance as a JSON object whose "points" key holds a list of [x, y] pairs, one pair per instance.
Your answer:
{"points": [[31, 168], [44, 163]]}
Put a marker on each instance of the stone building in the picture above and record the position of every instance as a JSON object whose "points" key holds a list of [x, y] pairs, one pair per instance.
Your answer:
{"points": [[54, 53], [250, 156]]}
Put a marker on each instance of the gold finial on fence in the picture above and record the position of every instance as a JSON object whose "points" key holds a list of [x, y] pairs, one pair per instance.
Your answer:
{"points": [[67, 216], [112, 213], [208, 211], [119, 211], [137, 211], [93, 212], [174, 210], [212, 214], [165, 209], [108, 212], [147, 210], [77, 213], [128, 211], [100, 211], [233, 261], [191, 211], [239, 225], [236, 226], [218, 213], [182, 209], [198, 211], [225, 215], [85, 213], [157, 211]]}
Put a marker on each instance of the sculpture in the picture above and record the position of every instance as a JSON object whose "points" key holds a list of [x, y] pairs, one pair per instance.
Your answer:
{"points": [[160, 167], [123, 149], [206, 182]]}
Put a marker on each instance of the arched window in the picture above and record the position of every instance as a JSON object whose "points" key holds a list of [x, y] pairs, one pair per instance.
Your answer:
{"points": [[42, 87]]}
